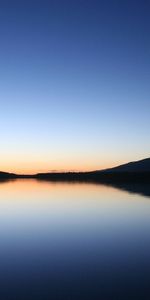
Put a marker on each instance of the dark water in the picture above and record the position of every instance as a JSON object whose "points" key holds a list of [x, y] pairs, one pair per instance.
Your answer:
{"points": [[73, 241]]}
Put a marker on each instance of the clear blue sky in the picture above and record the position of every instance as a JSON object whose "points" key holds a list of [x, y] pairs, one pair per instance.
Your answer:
{"points": [[74, 84]]}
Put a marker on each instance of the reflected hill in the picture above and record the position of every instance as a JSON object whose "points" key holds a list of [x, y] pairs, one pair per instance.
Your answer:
{"points": [[135, 188], [132, 177]]}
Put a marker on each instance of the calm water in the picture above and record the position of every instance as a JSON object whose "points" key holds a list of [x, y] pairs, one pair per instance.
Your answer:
{"points": [[73, 241]]}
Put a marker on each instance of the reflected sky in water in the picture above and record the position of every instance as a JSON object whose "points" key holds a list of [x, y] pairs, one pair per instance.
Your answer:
{"points": [[73, 241]]}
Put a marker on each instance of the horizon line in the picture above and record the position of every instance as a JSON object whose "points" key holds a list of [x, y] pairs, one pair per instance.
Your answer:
{"points": [[71, 171]]}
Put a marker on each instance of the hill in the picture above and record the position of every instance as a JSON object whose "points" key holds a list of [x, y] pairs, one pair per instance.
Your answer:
{"points": [[6, 175], [138, 171], [135, 166]]}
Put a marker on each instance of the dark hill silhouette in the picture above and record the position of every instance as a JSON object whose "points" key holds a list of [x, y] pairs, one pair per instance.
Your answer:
{"points": [[6, 175], [135, 166], [138, 172], [133, 177]]}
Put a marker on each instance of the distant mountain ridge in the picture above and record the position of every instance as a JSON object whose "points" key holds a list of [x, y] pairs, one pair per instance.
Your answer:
{"points": [[136, 171], [6, 175], [133, 177], [142, 165]]}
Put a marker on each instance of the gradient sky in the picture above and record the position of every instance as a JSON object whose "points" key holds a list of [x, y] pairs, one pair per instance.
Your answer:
{"points": [[74, 84]]}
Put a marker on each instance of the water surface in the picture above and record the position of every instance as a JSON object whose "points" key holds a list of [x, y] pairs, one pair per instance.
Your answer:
{"points": [[73, 241]]}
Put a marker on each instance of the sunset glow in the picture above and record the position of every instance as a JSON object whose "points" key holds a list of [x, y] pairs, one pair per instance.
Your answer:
{"points": [[74, 85]]}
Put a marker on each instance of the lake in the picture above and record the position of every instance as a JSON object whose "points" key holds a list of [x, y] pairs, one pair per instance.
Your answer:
{"points": [[73, 241]]}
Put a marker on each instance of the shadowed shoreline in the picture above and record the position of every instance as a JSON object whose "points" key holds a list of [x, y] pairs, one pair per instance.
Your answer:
{"points": [[131, 183], [133, 177]]}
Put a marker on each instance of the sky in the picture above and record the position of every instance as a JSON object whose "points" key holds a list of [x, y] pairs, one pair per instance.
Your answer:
{"points": [[74, 84]]}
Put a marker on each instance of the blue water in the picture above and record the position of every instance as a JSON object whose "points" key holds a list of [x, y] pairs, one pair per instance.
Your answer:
{"points": [[73, 241]]}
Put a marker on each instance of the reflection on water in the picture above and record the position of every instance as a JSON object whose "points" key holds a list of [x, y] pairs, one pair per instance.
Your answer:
{"points": [[73, 241]]}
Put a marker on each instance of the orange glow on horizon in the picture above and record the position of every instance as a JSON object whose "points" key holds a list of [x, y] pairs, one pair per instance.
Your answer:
{"points": [[25, 163], [33, 168]]}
